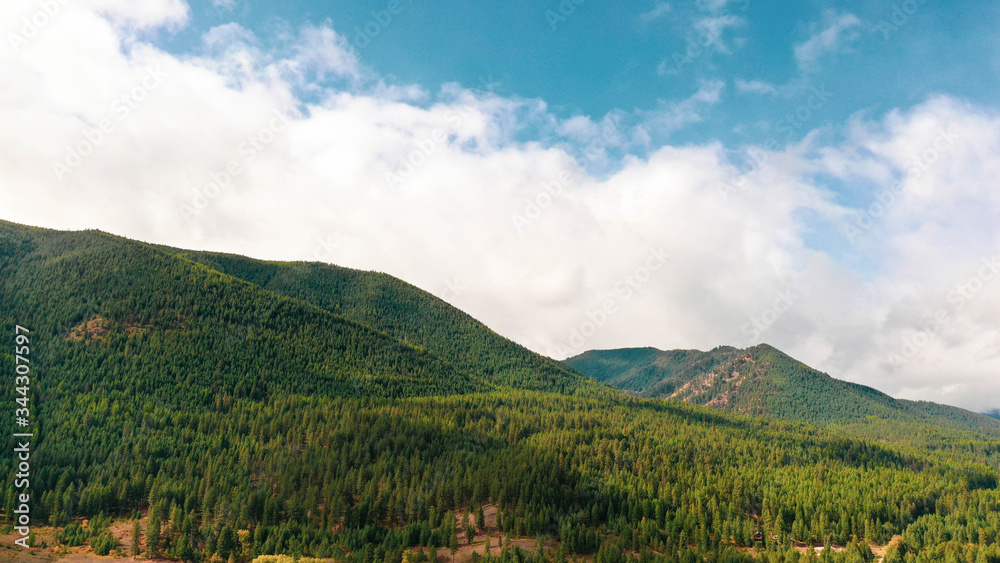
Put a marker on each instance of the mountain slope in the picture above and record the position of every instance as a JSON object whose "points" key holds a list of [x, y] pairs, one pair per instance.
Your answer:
{"points": [[114, 312], [760, 381], [404, 312], [235, 422], [648, 371]]}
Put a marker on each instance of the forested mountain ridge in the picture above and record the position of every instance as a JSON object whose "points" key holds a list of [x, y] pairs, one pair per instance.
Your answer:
{"points": [[760, 381], [404, 312], [649, 372], [222, 420], [106, 287], [99, 301]]}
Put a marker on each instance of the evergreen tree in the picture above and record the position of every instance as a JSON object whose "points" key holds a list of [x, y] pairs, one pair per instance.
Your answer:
{"points": [[153, 536], [136, 539]]}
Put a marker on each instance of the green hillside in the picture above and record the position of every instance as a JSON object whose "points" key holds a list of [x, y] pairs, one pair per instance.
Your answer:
{"points": [[761, 381], [223, 414], [120, 314], [405, 312], [375, 334], [648, 371]]}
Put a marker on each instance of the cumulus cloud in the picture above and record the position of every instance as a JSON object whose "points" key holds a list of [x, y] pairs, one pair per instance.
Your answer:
{"points": [[154, 13], [441, 189], [325, 51]]}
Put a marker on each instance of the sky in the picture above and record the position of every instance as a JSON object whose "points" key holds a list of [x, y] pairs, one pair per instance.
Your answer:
{"points": [[576, 174]]}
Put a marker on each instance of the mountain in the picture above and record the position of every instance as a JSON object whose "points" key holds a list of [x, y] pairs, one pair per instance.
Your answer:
{"points": [[759, 381], [649, 372], [203, 407], [106, 300], [994, 414], [404, 312], [148, 318]]}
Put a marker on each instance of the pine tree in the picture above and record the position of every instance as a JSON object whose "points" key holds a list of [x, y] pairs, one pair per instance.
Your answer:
{"points": [[136, 539], [480, 519], [153, 536]]}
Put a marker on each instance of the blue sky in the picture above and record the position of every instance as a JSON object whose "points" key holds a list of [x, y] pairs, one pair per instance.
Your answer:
{"points": [[818, 176], [634, 59], [599, 57]]}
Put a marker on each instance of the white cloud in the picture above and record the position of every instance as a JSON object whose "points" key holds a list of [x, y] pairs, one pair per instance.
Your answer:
{"points": [[710, 30], [146, 14], [755, 87], [707, 35], [717, 6], [228, 5], [325, 51], [306, 59], [660, 10], [677, 115], [224, 36], [324, 177], [839, 31]]}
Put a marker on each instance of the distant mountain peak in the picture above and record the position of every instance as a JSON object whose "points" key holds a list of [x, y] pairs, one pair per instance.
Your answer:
{"points": [[760, 381]]}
